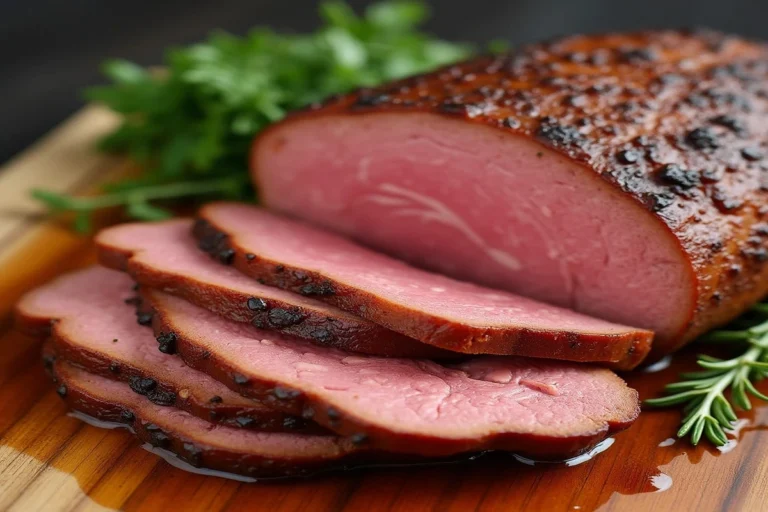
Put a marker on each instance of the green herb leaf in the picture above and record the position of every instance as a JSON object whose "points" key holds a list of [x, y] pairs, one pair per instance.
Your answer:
{"points": [[706, 410], [194, 121]]}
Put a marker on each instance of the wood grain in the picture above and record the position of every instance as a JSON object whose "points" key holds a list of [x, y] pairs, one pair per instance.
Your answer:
{"points": [[50, 461]]}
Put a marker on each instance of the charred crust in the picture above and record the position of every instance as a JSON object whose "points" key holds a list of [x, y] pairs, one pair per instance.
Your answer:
{"points": [[62, 390], [256, 304], [114, 367], [730, 122], [334, 416], [166, 342], [245, 421], [559, 136], [703, 138], [250, 256], [627, 156], [322, 335], [192, 454], [144, 318], [752, 154], [240, 379], [160, 397], [279, 269], [227, 256], [283, 393], [141, 385], [292, 423], [127, 416], [48, 360], [673, 174], [157, 437], [133, 301], [216, 399], [282, 318], [323, 289]]}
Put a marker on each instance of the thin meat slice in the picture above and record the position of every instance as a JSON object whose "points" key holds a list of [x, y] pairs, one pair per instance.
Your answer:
{"points": [[620, 175], [164, 256], [91, 325], [544, 409], [429, 307], [198, 442]]}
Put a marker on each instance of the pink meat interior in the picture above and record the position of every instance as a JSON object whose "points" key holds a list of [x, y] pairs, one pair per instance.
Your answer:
{"points": [[90, 309], [481, 205], [185, 425], [484, 395], [168, 247], [296, 244]]}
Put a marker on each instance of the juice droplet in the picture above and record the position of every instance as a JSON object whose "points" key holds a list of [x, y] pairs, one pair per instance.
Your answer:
{"points": [[661, 482], [661, 364]]}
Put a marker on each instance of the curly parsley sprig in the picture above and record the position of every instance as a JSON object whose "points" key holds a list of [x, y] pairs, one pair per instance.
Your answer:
{"points": [[707, 411], [190, 126]]}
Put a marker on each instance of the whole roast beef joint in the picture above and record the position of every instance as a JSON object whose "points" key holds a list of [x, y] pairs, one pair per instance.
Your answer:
{"points": [[626, 185]]}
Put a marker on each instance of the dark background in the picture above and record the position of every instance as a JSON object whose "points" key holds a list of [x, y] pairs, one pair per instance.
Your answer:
{"points": [[50, 49]]}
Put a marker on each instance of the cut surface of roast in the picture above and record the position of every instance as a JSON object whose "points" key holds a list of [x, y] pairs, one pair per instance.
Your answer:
{"points": [[429, 307], [543, 409]]}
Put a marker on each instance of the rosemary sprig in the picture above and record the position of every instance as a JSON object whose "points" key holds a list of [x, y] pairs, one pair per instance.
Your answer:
{"points": [[707, 412]]}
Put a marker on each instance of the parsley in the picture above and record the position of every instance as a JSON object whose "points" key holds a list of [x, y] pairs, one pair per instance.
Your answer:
{"points": [[190, 125]]}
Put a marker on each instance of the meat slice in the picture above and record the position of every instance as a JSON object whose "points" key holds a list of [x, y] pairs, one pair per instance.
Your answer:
{"points": [[543, 409], [198, 442], [91, 325], [432, 308], [620, 175], [164, 256]]}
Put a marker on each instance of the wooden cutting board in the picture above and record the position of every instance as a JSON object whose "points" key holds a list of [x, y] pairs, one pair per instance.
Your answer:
{"points": [[50, 461]]}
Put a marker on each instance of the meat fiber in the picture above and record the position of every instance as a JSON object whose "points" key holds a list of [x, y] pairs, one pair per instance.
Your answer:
{"points": [[619, 175], [543, 409], [93, 327], [163, 256], [429, 307], [202, 444]]}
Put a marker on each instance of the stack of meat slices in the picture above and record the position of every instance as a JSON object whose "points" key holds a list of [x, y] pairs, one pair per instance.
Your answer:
{"points": [[261, 345], [292, 349]]}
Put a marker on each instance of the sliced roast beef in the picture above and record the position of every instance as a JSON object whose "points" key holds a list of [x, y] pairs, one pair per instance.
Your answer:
{"points": [[202, 444], [536, 407], [432, 308], [94, 328], [619, 175], [164, 256]]}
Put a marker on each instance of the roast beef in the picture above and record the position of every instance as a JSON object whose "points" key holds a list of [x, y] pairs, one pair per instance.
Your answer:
{"points": [[536, 407], [430, 307], [619, 175], [164, 256], [202, 444], [93, 327]]}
